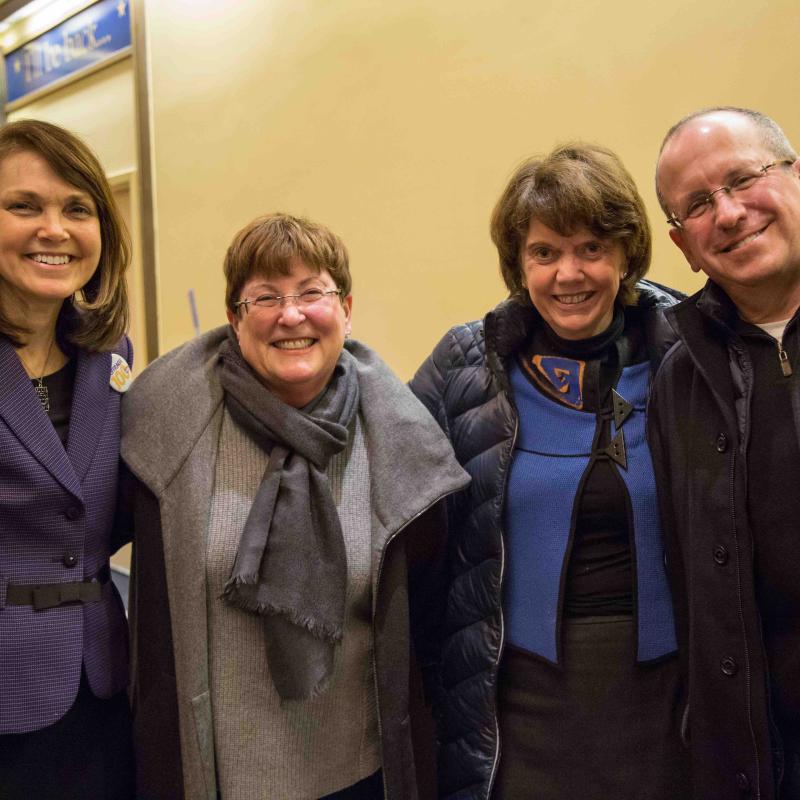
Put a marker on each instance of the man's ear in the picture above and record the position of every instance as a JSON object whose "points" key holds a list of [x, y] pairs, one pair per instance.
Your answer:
{"points": [[677, 236]]}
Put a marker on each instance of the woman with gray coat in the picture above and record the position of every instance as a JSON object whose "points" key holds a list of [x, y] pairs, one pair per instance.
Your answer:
{"points": [[286, 495]]}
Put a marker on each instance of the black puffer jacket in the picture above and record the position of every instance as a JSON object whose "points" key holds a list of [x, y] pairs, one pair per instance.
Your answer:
{"points": [[464, 384]]}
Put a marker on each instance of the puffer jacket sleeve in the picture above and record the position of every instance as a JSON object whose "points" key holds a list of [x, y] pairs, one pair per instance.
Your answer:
{"points": [[453, 351], [430, 385]]}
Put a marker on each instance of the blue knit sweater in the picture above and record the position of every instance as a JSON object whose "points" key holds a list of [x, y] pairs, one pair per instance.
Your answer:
{"points": [[554, 450]]}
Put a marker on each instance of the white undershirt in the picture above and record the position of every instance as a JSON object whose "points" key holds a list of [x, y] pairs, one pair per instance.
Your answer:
{"points": [[774, 329]]}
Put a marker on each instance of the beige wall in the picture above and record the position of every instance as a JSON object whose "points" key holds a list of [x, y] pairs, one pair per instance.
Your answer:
{"points": [[398, 123]]}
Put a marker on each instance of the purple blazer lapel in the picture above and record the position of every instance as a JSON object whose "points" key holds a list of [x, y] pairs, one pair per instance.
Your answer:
{"points": [[22, 412], [90, 399]]}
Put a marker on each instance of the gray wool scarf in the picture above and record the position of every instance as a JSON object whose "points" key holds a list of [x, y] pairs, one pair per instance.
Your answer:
{"points": [[291, 564]]}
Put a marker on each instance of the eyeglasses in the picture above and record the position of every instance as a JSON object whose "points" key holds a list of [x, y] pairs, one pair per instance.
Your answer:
{"points": [[301, 300], [739, 185]]}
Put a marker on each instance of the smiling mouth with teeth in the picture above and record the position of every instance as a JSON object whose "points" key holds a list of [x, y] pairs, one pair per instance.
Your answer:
{"points": [[572, 299], [293, 344], [742, 242], [51, 260]]}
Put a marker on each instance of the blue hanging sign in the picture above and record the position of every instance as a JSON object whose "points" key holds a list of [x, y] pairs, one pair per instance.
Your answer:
{"points": [[91, 37]]}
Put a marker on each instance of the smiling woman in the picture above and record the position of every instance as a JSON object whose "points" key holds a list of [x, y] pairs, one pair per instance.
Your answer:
{"points": [[49, 236], [572, 280], [64, 716], [559, 591], [295, 480], [290, 317]]}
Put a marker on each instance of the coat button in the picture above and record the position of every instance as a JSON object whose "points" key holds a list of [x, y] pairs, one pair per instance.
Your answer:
{"points": [[742, 782], [721, 554], [722, 443], [72, 513], [69, 559], [729, 666]]}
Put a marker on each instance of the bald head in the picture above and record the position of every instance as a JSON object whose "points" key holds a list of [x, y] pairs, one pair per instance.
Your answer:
{"points": [[741, 170], [769, 133]]}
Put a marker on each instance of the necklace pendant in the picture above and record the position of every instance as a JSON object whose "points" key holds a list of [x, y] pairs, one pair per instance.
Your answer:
{"points": [[43, 394]]}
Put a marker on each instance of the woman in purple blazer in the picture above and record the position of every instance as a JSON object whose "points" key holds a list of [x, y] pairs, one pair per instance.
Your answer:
{"points": [[64, 718]]}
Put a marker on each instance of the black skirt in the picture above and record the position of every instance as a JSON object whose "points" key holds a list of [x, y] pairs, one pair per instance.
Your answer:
{"points": [[88, 753], [601, 727]]}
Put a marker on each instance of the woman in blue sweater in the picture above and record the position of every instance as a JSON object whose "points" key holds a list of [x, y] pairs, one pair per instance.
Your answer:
{"points": [[558, 674]]}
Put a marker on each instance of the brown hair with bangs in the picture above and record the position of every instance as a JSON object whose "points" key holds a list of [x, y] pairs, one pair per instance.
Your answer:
{"points": [[575, 186], [269, 245], [97, 317]]}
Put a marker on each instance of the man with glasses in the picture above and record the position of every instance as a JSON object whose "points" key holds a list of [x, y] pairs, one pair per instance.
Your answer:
{"points": [[725, 425]]}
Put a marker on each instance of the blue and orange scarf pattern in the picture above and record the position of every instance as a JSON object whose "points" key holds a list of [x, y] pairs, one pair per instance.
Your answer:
{"points": [[557, 376]]}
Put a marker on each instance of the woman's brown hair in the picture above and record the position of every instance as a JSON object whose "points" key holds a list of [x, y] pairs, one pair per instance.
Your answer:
{"points": [[268, 245], [576, 186]]}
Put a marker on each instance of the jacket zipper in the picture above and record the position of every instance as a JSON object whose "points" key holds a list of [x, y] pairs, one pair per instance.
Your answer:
{"points": [[391, 538], [783, 358], [500, 649]]}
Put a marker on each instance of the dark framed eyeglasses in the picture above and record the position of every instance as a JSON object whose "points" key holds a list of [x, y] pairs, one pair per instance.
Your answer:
{"points": [[739, 185]]}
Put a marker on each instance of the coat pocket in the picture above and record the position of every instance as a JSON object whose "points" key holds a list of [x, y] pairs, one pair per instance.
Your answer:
{"points": [[204, 728]]}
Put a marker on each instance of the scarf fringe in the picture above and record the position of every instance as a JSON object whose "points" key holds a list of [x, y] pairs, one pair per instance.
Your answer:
{"points": [[241, 580], [313, 693], [319, 630]]}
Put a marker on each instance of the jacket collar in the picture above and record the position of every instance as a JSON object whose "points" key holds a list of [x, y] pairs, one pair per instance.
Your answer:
{"points": [[411, 463], [168, 407], [509, 325], [706, 324], [707, 316], [24, 415], [90, 399], [714, 304]]}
